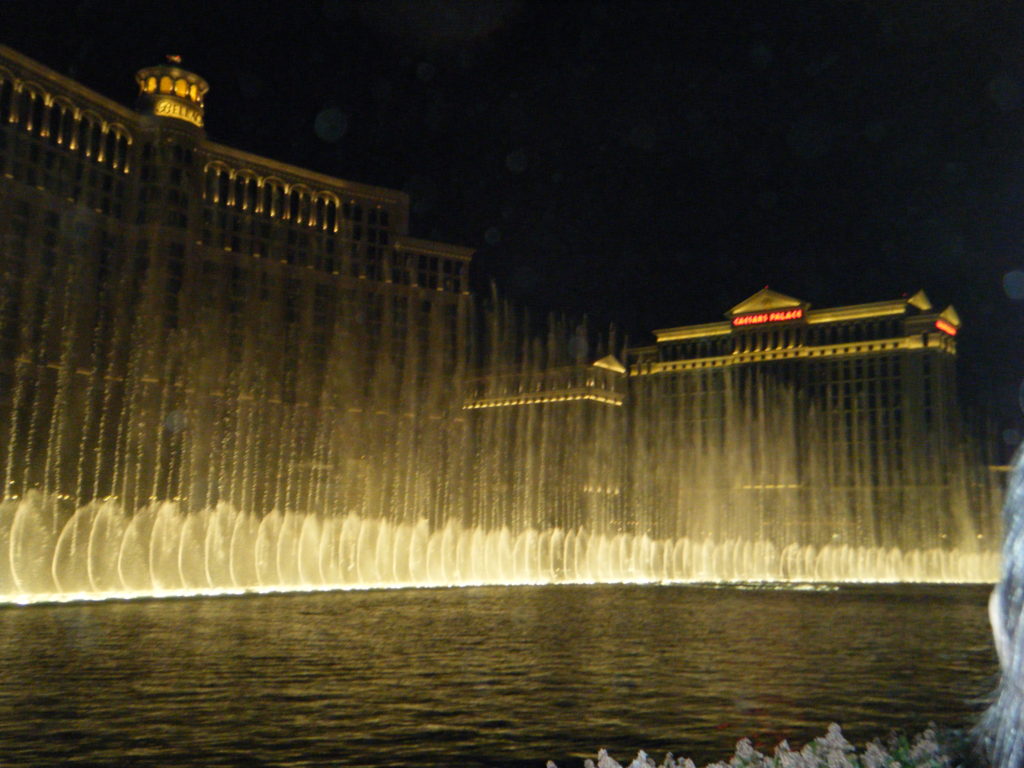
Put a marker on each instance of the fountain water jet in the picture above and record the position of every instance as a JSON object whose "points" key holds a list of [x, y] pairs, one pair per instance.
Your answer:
{"points": [[186, 470]]}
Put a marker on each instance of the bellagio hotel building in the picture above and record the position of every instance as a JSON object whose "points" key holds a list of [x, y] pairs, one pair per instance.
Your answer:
{"points": [[127, 232], [150, 184]]}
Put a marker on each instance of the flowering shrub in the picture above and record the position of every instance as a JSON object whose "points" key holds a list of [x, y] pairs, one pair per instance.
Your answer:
{"points": [[829, 751]]}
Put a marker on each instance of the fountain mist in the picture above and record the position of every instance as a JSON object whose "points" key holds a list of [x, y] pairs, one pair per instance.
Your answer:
{"points": [[314, 448]]}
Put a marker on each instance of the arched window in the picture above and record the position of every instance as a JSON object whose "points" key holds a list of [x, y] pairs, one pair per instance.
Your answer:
{"points": [[115, 143], [276, 200], [275, 195], [76, 135], [331, 216], [210, 191], [53, 120], [223, 187], [181, 88], [293, 205], [37, 124], [166, 84], [306, 210], [90, 132], [109, 148], [239, 200], [267, 199], [67, 125], [251, 194], [30, 109], [6, 100], [150, 84], [123, 142], [24, 107], [96, 139]]}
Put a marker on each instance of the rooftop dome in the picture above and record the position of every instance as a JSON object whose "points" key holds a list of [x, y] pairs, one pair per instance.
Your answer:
{"points": [[168, 91]]}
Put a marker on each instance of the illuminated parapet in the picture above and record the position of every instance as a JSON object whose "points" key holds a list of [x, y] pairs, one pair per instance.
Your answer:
{"points": [[167, 91], [600, 382]]}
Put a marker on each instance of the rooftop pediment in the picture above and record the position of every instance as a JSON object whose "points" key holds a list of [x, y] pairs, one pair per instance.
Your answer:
{"points": [[610, 363], [920, 301], [764, 300], [950, 315]]}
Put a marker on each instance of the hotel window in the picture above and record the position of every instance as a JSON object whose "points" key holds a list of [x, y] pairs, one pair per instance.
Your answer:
{"points": [[51, 123], [250, 194], [26, 110], [331, 220], [272, 195], [239, 190], [6, 100], [108, 142], [223, 187]]}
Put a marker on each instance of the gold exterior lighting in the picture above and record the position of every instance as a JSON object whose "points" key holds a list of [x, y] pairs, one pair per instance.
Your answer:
{"points": [[168, 91]]}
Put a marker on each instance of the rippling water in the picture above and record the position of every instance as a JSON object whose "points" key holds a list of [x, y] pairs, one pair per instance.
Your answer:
{"points": [[481, 677]]}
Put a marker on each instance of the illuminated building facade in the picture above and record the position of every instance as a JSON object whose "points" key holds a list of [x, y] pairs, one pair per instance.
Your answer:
{"points": [[151, 185], [859, 400], [181, 320], [894, 359], [129, 240]]}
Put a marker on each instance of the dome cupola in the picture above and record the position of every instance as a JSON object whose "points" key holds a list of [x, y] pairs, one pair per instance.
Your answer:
{"points": [[168, 91]]}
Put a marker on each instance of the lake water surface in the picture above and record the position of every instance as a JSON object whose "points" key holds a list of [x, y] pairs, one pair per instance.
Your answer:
{"points": [[482, 676]]}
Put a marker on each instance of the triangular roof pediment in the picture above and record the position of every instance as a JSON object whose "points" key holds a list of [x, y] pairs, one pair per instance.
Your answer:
{"points": [[610, 363], [920, 301], [950, 315], [763, 300]]}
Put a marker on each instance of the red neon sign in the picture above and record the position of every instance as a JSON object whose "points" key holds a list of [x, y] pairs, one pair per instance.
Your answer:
{"points": [[945, 327], [777, 316]]}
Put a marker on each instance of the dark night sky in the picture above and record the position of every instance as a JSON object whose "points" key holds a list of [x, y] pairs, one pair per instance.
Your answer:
{"points": [[650, 164]]}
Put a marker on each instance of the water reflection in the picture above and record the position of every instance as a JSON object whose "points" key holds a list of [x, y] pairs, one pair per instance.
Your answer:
{"points": [[481, 677]]}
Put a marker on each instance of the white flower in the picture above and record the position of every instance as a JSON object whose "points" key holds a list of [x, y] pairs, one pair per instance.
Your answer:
{"points": [[787, 758], [834, 739], [926, 749], [829, 751], [604, 760], [875, 756], [838, 759]]}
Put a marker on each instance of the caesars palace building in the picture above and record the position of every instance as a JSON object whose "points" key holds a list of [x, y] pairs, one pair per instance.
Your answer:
{"points": [[863, 397], [158, 229], [893, 361]]}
